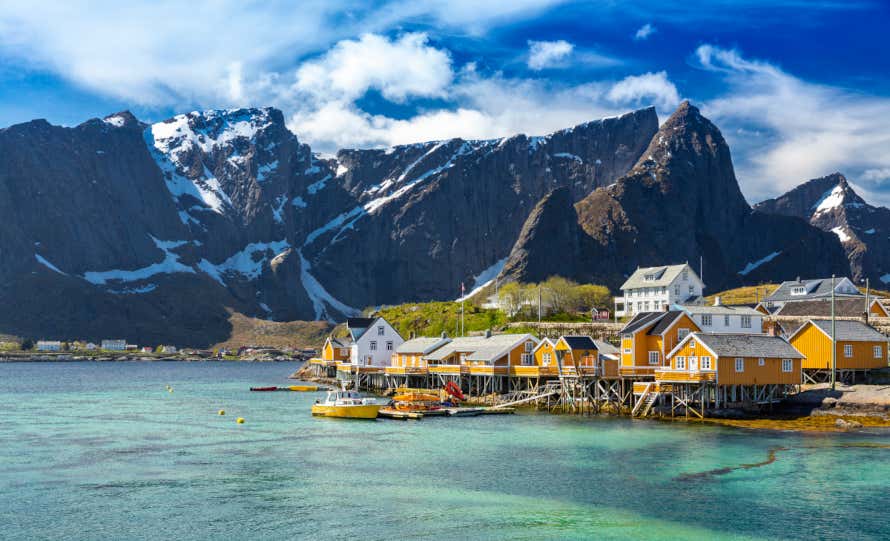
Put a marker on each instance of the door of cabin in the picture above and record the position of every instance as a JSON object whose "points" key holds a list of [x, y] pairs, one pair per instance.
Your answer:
{"points": [[693, 364]]}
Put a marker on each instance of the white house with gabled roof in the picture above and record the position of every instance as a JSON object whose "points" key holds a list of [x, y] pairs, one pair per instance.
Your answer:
{"points": [[653, 289], [374, 341]]}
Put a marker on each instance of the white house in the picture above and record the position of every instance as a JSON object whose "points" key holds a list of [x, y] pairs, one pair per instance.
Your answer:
{"points": [[49, 345], [653, 289], [721, 319], [807, 290], [114, 345], [373, 341]]}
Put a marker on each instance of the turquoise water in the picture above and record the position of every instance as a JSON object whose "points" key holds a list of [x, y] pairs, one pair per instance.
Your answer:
{"points": [[103, 451]]}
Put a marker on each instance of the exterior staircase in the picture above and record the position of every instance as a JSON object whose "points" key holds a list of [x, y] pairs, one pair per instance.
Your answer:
{"points": [[646, 401]]}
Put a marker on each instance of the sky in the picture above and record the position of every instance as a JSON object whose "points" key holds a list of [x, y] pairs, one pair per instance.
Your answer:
{"points": [[799, 88]]}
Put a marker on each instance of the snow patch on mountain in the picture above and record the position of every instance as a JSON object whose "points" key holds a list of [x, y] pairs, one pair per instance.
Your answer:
{"points": [[43, 261], [831, 199], [753, 265], [485, 278], [321, 300], [248, 262], [841, 234], [169, 265]]}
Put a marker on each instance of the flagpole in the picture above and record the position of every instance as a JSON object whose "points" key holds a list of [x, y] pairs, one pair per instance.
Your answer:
{"points": [[833, 340]]}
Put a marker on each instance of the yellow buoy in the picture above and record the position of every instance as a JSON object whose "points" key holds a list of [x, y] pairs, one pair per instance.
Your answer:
{"points": [[240, 420], [222, 412]]}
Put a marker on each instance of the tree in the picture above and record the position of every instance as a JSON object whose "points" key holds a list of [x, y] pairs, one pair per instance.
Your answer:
{"points": [[590, 296]]}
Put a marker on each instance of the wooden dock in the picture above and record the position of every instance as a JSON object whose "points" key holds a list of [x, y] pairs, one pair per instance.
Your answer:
{"points": [[392, 413]]}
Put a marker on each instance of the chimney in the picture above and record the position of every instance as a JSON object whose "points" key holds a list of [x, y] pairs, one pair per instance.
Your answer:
{"points": [[444, 335], [413, 335], [717, 301], [771, 328], [488, 333]]}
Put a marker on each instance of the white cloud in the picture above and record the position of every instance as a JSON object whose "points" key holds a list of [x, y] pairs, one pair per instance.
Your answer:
{"points": [[400, 68], [876, 176], [644, 32], [645, 89], [547, 54], [784, 130]]}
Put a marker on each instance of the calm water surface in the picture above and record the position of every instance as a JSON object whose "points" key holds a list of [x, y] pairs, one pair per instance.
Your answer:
{"points": [[103, 451]]}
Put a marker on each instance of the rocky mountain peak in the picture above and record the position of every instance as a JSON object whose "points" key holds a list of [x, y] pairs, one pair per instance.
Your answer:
{"points": [[122, 119]]}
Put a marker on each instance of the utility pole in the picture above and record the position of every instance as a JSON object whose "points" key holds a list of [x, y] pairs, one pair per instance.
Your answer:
{"points": [[539, 303], [867, 291], [833, 340]]}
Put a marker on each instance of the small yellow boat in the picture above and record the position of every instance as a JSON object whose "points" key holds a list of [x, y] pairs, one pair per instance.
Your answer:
{"points": [[346, 405], [303, 388]]}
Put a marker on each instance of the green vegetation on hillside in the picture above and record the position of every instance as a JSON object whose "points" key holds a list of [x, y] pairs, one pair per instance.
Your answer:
{"points": [[743, 295], [433, 318]]}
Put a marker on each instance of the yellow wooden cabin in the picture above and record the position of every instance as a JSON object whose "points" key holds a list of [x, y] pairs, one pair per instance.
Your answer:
{"points": [[648, 337], [857, 346], [335, 349], [878, 309], [410, 357], [732, 359]]}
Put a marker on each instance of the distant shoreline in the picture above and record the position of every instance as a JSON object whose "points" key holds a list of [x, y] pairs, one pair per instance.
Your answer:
{"points": [[132, 358]]}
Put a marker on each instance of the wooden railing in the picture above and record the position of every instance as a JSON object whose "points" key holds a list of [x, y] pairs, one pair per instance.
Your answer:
{"points": [[407, 370], [449, 369], [684, 375]]}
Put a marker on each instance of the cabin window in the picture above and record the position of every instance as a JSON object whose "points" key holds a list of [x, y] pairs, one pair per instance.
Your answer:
{"points": [[798, 290], [529, 346], [692, 343], [706, 320], [677, 290], [685, 275], [848, 350], [373, 345], [526, 359], [545, 359], [705, 363], [877, 351], [682, 333], [380, 330], [691, 290], [627, 350], [787, 365], [389, 346], [746, 322], [726, 321], [653, 357], [761, 362], [343, 351], [740, 365], [681, 363]]}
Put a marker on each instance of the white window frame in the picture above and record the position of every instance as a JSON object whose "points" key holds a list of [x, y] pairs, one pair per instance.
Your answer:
{"points": [[525, 359], [373, 345], [739, 364], [682, 333], [705, 363], [761, 362], [389, 345], [707, 320], [681, 363], [726, 321], [677, 290], [798, 290], [787, 365], [545, 359], [529, 346], [746, 322], [878, 352], [848, 351], [654, 357], [380, 330]]}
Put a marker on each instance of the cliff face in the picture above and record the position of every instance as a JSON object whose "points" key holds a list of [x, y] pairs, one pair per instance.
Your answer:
{"points": [[831, 204], [681, 202], [153, 232]]}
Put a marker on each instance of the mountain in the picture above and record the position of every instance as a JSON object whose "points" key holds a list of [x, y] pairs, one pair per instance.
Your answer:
{"points": [[682, 202], [831, 204], [156, 232]]}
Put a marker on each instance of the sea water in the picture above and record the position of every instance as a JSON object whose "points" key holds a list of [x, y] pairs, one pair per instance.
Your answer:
{"points": [[105, 451]]}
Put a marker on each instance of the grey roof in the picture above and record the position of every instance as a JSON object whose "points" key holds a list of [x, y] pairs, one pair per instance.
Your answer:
{"points": [[667, 319], [479, 348], [423, 344], [605, 348], [748, 345], [850, 331], [843, 307], [815, 287], [579, 342], [663, 276], [639, 321], [341, 342], [721, 310]]}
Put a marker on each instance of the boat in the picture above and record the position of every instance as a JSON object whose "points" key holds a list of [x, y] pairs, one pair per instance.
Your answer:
{"points": [[303, 388], [264, 389], [346, 405]]}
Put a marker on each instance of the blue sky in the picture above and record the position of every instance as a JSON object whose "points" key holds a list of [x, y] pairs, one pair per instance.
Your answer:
{"points": [[799, 88]]}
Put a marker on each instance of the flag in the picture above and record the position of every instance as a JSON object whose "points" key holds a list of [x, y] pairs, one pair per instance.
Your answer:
{"points": [[462, 289]]}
